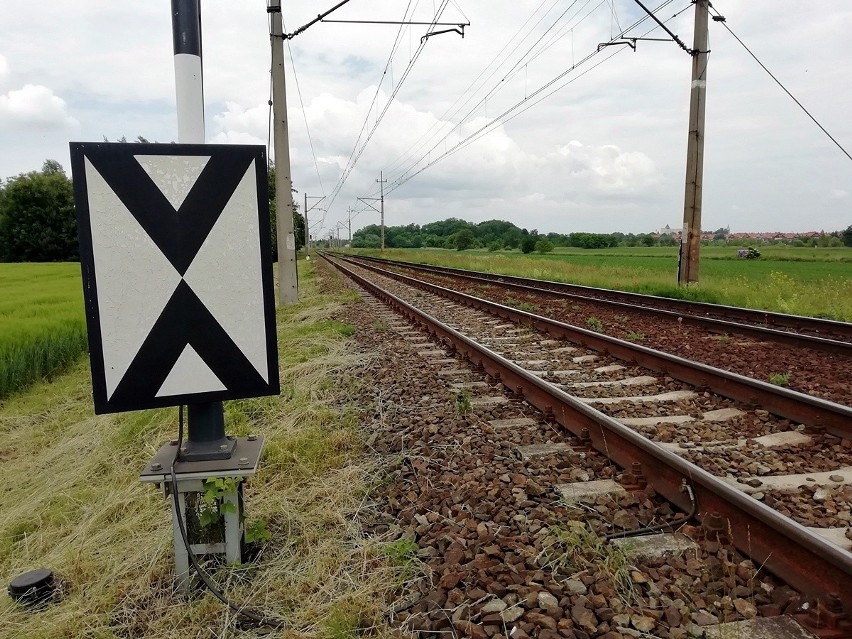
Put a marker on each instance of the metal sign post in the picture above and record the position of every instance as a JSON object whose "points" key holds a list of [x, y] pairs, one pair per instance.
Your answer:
{"points": [[206, 437], [179, 295]]}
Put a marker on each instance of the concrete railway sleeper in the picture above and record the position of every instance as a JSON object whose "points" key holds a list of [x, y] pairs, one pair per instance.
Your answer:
{"points": [[816, 567]]}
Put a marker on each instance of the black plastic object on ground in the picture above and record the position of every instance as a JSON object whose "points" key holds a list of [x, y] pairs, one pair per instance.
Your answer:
{"points": [[33, 587]]}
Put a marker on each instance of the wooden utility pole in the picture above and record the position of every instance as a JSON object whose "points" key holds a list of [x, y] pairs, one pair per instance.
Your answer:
{"points": [[288, 287], [382, 185], [690, 241]]}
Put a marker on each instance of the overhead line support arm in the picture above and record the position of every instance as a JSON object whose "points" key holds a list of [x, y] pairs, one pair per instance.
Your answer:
{"points": [[680, 42]]}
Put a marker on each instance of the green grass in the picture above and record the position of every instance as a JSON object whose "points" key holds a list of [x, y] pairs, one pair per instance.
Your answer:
{"points": [[76, 504], [779, 379], [42, 326], [802, 281]]}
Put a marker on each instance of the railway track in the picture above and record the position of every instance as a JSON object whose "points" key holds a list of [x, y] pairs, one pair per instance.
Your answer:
{"points": [[815, 333], [717, 446], [767, 355]]}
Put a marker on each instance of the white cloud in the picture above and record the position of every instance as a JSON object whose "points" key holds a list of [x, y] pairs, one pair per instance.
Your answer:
{"points": [[605, 169], [235, 137], [605, 153], [35, 106], [240, 123]]}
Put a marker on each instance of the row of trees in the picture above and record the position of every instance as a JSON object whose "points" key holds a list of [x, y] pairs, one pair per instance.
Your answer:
{"points": [[494, 235], [38, 222]]}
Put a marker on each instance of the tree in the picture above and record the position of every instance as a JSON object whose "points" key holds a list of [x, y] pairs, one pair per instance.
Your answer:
{"points": [[37, 219], [543, 246], [463, 239], [847, 236], [528, 243]]}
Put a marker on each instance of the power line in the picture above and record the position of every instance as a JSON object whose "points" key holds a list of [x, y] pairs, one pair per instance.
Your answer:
{"points": [[508, 115], [305, 116], [394, 47], [719, 18], [471, 137], [451, 112], [354, 160], [516, 67]]}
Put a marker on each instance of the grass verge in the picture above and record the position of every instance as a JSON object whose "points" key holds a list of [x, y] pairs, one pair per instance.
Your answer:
{"points": [[72, 501]]}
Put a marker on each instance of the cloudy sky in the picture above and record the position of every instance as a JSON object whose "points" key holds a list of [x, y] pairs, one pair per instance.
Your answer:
{"points": [[605, 152]]}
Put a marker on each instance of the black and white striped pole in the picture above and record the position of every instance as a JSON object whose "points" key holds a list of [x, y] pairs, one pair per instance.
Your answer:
{"points": [[189, 79], [206, 439]]}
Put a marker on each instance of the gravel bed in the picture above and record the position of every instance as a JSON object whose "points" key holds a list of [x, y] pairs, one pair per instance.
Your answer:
{"points": [[812, 506], [498, 553], [825, 453]]}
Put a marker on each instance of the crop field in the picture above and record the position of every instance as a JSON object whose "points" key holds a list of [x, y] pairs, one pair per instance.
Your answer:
{"points": [[42, 326], [802, 281]]}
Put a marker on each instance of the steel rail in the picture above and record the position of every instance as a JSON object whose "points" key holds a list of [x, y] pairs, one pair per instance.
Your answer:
{"points": [[798, 407], [807, 562], [653, 302]]}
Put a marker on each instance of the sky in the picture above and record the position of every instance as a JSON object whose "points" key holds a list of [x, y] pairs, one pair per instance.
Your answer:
{"points": [[604, 152]]}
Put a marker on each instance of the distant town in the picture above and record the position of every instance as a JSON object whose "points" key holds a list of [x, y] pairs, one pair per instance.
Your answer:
{"points": [[822, 238]]}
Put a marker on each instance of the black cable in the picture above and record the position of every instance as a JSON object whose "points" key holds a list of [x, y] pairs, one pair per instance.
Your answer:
{"points": [[244, 612], [778, 82], [621, 534]]}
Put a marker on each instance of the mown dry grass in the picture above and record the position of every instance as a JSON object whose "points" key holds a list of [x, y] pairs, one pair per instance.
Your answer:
{"points": [[72, 501]]}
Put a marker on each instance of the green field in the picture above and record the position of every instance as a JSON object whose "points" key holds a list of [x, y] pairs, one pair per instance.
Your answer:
{"points": [[802, 281], [42, 326]]}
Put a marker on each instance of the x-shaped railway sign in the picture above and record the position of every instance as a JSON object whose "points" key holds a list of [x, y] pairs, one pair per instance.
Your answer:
{"points": [[177, 273]]}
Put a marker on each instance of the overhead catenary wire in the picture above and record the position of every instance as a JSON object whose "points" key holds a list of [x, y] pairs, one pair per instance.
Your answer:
{"points": [[520, 63], [527, 97], [453, 110], [354, 159], [305, 116], [523, 105], [394, 47], [778, 82]]}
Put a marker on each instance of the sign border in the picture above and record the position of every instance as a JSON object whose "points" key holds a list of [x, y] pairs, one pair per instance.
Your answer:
{"points": [[90, 291]]}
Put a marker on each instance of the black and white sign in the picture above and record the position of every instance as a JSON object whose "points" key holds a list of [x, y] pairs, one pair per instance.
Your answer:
{"points": [[177, 273]]}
